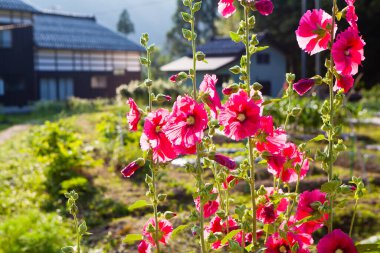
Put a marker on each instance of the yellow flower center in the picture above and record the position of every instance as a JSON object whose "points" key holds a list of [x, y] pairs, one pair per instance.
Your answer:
{"points": [[158, 129], [241, 117], [339, 251], [346, 53], [190, 120], [282, 249]]}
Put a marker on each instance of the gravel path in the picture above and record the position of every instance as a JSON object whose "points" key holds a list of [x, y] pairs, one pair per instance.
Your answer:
{"points": [[12, 131]]}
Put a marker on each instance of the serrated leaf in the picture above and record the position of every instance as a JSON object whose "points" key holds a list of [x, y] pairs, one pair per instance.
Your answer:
{"points": [[178, 230], [368, 248], [320, 137], [330, 187], [132, 238], [138, 204], [235, 37], [229, 236]]}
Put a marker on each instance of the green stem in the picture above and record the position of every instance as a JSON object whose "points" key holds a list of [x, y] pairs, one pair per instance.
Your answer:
{"points": [[353, 217], [331, 131], [250, 144], [77, 232], [228, 208], [198, 163], [155, 205]]}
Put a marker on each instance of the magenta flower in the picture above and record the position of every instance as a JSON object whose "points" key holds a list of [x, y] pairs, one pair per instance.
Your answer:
{"points": [[303, 86], [283, 164], [226, 8], [208, 89], [264, 7], [225, 161], [186, 124], [313, 33], [268, 139], [344, 82], [228, 181], [209, 208], [217, 225], [336, 241], [268, 212], [351, 17], [348, 52], [144, 247], [165, 231], [305, 208], [134, 115], [132, 167], [173, 78], [154, 138], [276, 244], [240, 116]]}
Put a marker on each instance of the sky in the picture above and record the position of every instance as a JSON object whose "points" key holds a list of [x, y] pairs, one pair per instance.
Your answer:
{"points": [[151, 16]]}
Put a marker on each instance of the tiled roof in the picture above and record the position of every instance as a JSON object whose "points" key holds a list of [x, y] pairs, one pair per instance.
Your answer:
{"points": [[81, 33], [16, 5], [224, 46]]}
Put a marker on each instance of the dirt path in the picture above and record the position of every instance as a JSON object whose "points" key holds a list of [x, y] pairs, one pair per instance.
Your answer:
{"points": [[12, 131]]}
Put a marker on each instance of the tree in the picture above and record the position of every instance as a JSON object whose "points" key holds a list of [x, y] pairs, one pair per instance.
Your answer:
{"points": [[205, 26], [125, 25]]}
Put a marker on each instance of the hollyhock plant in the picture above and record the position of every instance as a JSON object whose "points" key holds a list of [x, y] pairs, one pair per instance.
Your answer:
{"points": [[134, 115], [282, 165], [345, 83], [226, 8], [210, 207], [277, 244], [305, 208], [165, 231], [186, 124], [208, 90], [154, 138], [240, 116], [144, 247], [348, 52], [264, 7], [313, 33], [268, 212], [132, 167], [336, 241]]}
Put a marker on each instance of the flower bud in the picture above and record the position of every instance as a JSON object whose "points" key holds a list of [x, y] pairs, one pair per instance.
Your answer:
{"points": [[168, 215], [200, 56], [296, 111], [224, 161], [161, 197], [303, 86], [257, 86], [132, 167], [290, 77], [161, 98], [148, 82], [264, 7]]}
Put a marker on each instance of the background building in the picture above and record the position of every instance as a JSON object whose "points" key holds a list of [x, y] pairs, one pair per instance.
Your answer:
{"points": [[268, 67], [51, 56]]}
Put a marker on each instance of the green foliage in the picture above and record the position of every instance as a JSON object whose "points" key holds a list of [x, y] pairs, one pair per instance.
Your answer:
{"points": [[370, 99], [33, 232], [125, 25], [63, 151]]}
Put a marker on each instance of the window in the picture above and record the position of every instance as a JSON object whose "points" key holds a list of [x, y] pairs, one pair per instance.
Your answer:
{"points": [[2, 88], [5, 39], [222, 79], [48, 89], [263, 58], [99, 82], [66, 88]]}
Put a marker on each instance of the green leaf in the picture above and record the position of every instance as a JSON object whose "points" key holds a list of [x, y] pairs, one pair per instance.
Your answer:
{"points": [[138, 204], [235, 37], [330, 187], [259, 49], [320, 137], [178, 230], [132, 238], [229, 236], [368, 248], [186, 16], [197, 6]]}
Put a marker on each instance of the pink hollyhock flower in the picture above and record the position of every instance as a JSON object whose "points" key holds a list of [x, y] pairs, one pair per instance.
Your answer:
{"points": [[218, 226], [240, 116], [165, 232], [283, 164], [344, 82], [348, 52], [210, 207], [144, 247], [351, 16], [134, 115], [313, 33], [336, 241], [186, 124], [225, 161], [208, 88], [173, 78], [228, 181], [154, 138], [267, 212], [303, 86], [276, 244], [226, 8], [305, 208], [268, 139], [132, 167], [264, 7]]}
